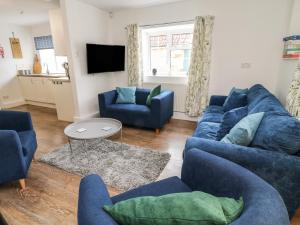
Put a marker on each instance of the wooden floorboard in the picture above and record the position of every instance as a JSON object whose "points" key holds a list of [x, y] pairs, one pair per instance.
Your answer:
{"points": [[51, 194]]}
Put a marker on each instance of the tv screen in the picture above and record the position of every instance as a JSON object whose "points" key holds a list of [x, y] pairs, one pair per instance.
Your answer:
{"points": [[105, 58]]}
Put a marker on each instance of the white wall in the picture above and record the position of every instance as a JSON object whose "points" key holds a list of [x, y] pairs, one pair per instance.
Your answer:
{"points": [[38, 30], [10, 91], [85, 24], [244, 32], [288, 66]]}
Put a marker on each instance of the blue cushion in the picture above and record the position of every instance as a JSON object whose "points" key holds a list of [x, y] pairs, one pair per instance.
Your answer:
{"points": [[230, 119], [234, 89], [244, 131], [214, 109], [211, 117], [207, 130], [235, 100], [278, 132], [163, 187], [141, 95], [269, 103], [126, 95], [255, 94]]}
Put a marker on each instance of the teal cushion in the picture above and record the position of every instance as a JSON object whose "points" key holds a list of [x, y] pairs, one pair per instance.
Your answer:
{"points": [[237, 90], [126, 95], [244, 131], [189, 208], [154, 92]]}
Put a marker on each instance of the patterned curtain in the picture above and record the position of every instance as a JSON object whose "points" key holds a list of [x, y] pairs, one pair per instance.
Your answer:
{"points": [[199, 72], [293, 98], [133, 55]]}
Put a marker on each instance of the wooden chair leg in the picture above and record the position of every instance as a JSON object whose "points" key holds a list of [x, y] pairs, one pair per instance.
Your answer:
{"points": [[22, 183], [157, 131]]}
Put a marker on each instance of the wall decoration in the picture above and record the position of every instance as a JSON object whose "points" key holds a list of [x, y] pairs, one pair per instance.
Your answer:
{"points": [[15, 47], [1, 52], [37, 67], [291, 47]]}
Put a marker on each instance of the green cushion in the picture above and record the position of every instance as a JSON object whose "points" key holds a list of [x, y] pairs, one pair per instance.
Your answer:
{"points": [[244, 131], [188, 208], [155, 91], [126, 95]]}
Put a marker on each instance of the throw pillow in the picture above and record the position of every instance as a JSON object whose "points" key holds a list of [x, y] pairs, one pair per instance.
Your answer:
{"points": [[195, 207], [278, 131], [244, 131], [154, 92], [235, 100], [230, 119], [126, 95], [238, 90]]}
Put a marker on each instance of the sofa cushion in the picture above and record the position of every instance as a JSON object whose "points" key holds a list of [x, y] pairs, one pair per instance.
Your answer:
{"points": [[244, 131], [211, 117], [141, 95], [125, 95], [230, 119], [236, 90], [129, 108], [28, 141], [207, 130], [235, 100], [278, 132], [162, 187], [214, 109], [267, 104], [255, 94], [154, 92]]}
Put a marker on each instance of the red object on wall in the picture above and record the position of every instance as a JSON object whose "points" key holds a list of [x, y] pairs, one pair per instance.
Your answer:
{"points": [[2, 52]]}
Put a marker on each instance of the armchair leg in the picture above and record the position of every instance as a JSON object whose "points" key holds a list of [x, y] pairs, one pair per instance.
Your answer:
{"points": [[22, 184], [157, 131]]}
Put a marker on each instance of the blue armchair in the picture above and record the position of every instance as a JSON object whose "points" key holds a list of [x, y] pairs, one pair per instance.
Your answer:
{"points": [[17, 146], [139, 114], [201, 171]]}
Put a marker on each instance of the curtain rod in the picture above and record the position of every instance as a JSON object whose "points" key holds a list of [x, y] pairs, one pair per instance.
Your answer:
{"points": [[163, 24]]}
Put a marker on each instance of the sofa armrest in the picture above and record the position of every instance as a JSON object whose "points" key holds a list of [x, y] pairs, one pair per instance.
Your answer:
{"points": [[209, 173], [93, 195], [105, 99], [217, 100], [162, 107], [12, 162], [281, 170], [14, 120]]}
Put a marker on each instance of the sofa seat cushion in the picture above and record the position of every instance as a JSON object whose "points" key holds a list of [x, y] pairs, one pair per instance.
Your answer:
{"points": [[163, 187], [278, 132], [211, 117], [214, 109], [207, 130], [129, 108], [267, 104]]}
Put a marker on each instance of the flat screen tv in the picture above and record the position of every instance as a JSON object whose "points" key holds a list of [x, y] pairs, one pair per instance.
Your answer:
{"points": [[105, 58]]}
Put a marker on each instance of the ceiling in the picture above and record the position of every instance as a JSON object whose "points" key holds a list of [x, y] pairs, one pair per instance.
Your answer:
{"points": [[113, 5], [26, 12]]}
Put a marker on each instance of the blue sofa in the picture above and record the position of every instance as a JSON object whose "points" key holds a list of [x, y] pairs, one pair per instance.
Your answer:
{"points": [[139, 114], [201, 171], [17, 146], [273, 154]]}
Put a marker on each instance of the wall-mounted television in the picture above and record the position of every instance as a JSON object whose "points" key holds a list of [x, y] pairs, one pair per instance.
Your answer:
{"points": [[105, 58]]}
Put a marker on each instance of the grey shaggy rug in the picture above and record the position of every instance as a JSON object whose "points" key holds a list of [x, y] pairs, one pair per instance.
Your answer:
{"points": [[123, 168]]}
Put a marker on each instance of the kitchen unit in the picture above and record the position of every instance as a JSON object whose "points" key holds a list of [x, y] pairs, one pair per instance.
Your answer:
{"points": [[52, 91]]}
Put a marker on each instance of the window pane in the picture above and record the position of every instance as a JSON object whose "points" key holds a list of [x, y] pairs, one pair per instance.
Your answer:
{"points": [[47, 57], [180, 61], [159, 59], [182, 39], [158, 41]]}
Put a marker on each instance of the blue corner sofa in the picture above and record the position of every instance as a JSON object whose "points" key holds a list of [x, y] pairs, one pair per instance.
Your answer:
{"points": [[274, 154], [17, 146], [201, 171], [139, 114]]}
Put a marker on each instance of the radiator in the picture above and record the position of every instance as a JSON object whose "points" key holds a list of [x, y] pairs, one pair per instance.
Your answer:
{"points": [[179, 94]]}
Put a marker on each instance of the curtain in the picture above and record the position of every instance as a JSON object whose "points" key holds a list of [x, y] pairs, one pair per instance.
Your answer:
{"points": [[293, 98], [133, 55], [199, 71]]}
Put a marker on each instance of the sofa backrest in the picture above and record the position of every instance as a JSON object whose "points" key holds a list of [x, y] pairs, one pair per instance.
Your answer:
{"points": [[141, 95]]}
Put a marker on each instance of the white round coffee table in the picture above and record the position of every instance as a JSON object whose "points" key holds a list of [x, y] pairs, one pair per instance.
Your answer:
{"points": [[93, 129]]}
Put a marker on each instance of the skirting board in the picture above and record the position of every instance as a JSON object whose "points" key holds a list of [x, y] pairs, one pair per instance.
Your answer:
{"points": [[12, 104], [183, 116], [87, 116], [47, 105]]}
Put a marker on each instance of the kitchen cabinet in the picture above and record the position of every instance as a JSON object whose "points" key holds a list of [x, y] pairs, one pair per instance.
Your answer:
{"points": [[58, 32]]}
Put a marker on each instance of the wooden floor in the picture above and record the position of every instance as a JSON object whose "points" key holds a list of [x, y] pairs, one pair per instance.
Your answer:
{"points": [[51, 194]]}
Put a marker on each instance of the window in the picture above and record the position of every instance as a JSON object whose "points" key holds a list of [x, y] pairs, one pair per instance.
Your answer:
{"points": [[49, 61], [167, 50]]}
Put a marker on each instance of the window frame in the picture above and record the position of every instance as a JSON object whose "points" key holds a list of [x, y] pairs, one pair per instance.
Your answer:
{"points": [[146, 33]]}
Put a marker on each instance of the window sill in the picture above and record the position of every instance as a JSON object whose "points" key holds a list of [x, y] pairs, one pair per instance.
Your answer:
{"points": [[167, 76], [165, 79]]}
